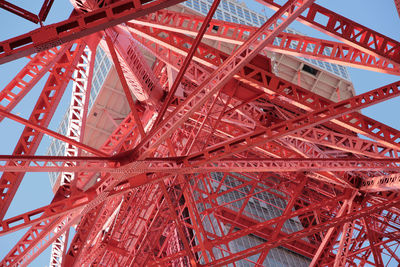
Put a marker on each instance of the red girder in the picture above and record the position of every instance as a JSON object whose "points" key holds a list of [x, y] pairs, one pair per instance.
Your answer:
{"points": [[23, 82], [287, 43], [44, 11], [56, 209], [41, 115], [138, 74], [172, 91], [271, 84], [221, 76], [19, 11], [347, 30], [347, 143], [84, 228], [318, 116], [44, 130], [38, 238], [26, 14], [397, 3], [234, 136], [77, 27], [381, 183], [199, 163], [125, 86]]}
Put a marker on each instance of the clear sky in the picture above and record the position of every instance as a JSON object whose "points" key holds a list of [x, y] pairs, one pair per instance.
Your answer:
{"points": [[35, 189]]}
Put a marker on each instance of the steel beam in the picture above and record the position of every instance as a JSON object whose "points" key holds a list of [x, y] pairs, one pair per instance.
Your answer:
{"points": [[201, 163], [41, 115], [278, 130], [77, 27], [172, 45], [220, 77], [19, 11], [29, 75], [346, 30], [286, 43]]}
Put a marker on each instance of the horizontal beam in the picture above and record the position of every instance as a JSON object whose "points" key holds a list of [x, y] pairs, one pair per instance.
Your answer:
{"points": [[347, 143], [319, 116], [286, 43], [192, 165], [382, 183], [219, 77], [346, 30], [77, 27]]}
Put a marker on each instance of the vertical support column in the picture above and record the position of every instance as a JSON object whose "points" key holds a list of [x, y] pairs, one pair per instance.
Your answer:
{"points": [[193, 213], [179, 228], [371, 234], [344, 245], [76, 117], [330, 233]]}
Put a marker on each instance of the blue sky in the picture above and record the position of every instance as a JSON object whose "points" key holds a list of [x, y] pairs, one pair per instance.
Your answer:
{"points": [[35, 189]]}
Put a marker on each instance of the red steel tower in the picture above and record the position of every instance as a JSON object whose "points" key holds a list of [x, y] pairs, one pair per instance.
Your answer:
{"points": [[210, 143]]}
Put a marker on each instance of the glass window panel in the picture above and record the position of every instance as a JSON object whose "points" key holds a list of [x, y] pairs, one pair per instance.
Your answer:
{"points": [[227, 17], [203, 7], [225, 5], [196, 5], [232, 8], [189, 3], [239, 11], [219, 14], [246, 14], [254, 17]]}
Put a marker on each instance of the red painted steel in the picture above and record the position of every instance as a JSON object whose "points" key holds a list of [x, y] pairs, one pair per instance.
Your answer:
{"points": [[287, 43], [195, 163], [223, 74], [348, 31], [77, 27], [172, 91], [41, 115], [19, 11], [273, 85], [243, 164], [24, 81], [397, 3]]}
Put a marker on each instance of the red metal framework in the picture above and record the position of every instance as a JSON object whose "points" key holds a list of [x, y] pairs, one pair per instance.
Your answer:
{"points": [[220, 159], [44, 11]]}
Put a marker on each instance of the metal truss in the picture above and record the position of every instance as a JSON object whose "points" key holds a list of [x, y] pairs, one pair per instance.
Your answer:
{"points": [[287, 43], [194, 165], [27, 14], [219, 160], [76, 121]]}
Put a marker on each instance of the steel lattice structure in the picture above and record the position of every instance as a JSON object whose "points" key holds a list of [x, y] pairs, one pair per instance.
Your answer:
{"points": [[219, 159]]}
